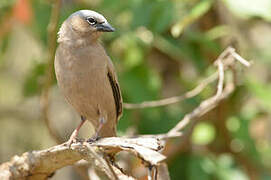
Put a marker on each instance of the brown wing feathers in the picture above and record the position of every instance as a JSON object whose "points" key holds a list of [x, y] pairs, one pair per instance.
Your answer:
{"points": [[116, 94]]}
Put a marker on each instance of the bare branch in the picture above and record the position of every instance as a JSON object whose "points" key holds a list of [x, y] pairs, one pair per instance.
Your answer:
{"points": [[194, 92], [221, 78], [109, 164], [203, 108], [225, 59], [175, 99], [144, 148], [93, 154], [240, 59], [163, 136], [40, 164]]}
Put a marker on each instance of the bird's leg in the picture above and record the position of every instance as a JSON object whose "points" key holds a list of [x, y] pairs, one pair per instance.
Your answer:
{"points": [[96, 135], [75, 132], [101, 123]]}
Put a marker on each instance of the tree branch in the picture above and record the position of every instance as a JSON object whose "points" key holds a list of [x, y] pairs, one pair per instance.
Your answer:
{"points": [[194, 92], [175, 99], [226, 58], [41, 164]]}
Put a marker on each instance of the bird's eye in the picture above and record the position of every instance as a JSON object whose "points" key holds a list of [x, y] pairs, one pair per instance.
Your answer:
{"points": [[91, 21]]}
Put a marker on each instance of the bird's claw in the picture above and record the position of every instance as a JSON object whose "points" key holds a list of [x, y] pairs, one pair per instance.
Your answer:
{"points": [[69, 143], [93, 139], [73, 140]]}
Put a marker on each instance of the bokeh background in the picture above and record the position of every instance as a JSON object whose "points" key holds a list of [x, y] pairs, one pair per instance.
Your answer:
{"points": [[161, 48]]}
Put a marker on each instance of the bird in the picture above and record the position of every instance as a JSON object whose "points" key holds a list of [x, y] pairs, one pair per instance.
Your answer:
{"points": [[86, 75]]}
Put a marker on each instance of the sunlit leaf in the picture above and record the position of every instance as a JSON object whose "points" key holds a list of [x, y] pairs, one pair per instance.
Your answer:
{"points": [[200, 8], [133, 56], [161, 17], [218, 32], [233, 124], [203, 134], [6, 5]]}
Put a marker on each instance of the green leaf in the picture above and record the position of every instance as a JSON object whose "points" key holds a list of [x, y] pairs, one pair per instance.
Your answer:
{"points": [[196, 12], [261, 91], [6, 5], [218, 32], [156, 16], [233, 124], [42, 12], [32, 84], [161, 16], [133, 55], [203, 134]]}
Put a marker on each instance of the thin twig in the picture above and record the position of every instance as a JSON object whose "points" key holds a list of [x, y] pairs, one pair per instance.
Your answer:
{"points": [[162, 136], [240, 59], [194, 92], [175, 99], [208, 104], [155, 172], [221, 77], [100, 161], [150, 173], [110, 166], [203, 108]]}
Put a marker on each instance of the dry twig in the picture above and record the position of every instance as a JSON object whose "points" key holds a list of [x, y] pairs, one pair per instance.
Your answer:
{"points": [[175, 99], [40, 164], [226, 59], [149, 173], [198, 89]]}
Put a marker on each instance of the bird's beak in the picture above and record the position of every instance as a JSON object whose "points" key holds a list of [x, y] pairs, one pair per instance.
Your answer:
{"points": [[105, 27]]}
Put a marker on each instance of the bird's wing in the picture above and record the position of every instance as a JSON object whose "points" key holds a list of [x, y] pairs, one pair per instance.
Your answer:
{"points": [[115, 88]]}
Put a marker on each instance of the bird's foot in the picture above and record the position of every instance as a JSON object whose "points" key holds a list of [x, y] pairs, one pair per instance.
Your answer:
{"points": [[96, 137], [70, 142], [93, 139], [72, 139]]}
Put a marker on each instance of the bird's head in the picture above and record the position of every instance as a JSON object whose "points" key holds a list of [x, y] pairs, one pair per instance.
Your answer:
{"points": [[84, 25]]}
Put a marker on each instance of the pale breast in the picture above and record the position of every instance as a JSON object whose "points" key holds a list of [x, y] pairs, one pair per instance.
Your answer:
{"points": [[82, 77]]}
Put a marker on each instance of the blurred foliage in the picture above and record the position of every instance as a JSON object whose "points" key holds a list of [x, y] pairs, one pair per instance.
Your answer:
{"points": [[161, 48], [261, 8], [32, 84]]}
